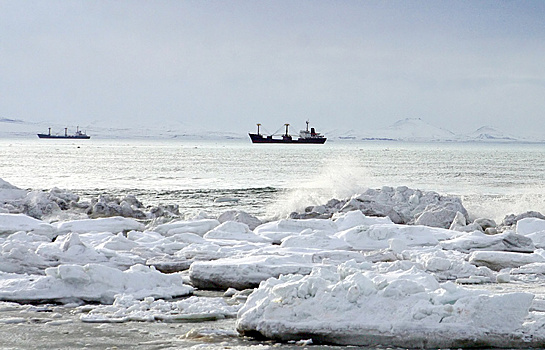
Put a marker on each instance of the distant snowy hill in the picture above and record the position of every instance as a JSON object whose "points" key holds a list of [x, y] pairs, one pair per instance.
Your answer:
{"points": [[414, 129], [407, 130], [488, 133], [417, 130], [14, 128]]}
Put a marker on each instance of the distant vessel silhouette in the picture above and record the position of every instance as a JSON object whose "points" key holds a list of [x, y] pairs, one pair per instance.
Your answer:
{"points": [[305, 136], [78, 135]]}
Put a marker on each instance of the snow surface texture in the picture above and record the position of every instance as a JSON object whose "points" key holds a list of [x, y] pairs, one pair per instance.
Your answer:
{"points": [[435, 280]]}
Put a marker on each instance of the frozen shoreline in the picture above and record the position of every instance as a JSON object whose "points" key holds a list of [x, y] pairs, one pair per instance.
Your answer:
{"points": [[376, 256]]}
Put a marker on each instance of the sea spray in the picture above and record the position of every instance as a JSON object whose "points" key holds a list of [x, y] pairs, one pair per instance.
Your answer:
{"points": [[338, 178]]}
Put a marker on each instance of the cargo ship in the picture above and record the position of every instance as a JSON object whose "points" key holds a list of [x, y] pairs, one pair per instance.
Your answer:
{"points": [[78, 135], [305, 136]]}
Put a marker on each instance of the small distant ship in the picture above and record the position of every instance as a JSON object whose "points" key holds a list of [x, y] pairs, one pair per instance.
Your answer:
{"points": [[78, 135], [305, 136]]}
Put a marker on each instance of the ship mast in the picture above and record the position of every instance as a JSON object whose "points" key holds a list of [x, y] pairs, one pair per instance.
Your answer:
{"points": [[287, 125], [258, 125]]}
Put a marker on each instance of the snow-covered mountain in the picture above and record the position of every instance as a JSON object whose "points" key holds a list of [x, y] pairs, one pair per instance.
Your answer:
{"points": [[15, 128], [408, 130], [417, 130], [488, 133], [414, 129]]}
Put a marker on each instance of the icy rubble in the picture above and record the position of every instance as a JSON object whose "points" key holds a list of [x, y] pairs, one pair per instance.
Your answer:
{"points": [[340, 276], [401, 204], [57, 203], [127, 308]]}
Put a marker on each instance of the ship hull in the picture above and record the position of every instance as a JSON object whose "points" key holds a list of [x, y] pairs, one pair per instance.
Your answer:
{"points": [[258, 138], [47, 136]]}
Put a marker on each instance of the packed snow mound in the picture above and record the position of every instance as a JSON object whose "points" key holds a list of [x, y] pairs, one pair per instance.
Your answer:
{"points": [[353, 305]]}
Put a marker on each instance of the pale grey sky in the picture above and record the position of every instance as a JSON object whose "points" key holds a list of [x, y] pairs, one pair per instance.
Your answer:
{"points": [[230, 64]]}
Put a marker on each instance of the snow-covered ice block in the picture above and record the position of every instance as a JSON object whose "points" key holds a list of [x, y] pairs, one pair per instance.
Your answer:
{"points": [[246, 272], [11, 223], [237, 231], [355, 218], [502, 260], [114, 225], [127, 308], [534, 229], [315, 239], [379, 236], [199, 227], [527, 226], [278, 230], [476, 240], [352, 305], [91, 283], [9, 193]]}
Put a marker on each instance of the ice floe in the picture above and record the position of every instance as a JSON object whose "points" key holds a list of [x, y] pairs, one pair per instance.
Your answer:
{"points": [[352, 304], [390, 267]]}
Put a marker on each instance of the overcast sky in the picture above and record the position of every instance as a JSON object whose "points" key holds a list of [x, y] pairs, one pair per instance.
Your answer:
{"points": [[231, 64]]}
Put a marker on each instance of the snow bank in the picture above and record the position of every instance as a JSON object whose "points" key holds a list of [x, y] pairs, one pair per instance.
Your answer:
{"points": [[352, 305]]}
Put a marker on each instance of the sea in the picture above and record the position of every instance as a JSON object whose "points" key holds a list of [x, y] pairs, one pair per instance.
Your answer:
{"points": [[272, 180], [266, 180]]}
